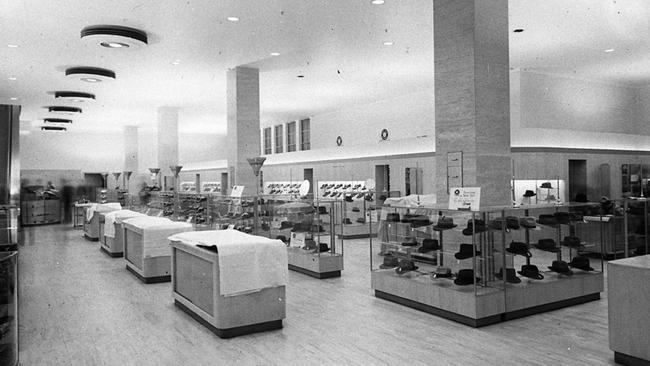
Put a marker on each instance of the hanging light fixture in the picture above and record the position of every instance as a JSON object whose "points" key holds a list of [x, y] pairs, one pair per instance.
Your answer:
{"points": [[63, 109], [53, 128], [115, 36], [57, 120], [74, 96], [90, 74]]}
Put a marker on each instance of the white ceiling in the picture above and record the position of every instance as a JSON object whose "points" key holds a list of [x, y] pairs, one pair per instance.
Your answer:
{"points": [[336, 44]]}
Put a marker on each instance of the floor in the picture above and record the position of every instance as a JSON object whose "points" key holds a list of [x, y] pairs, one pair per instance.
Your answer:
{"points": [[80, 307]]}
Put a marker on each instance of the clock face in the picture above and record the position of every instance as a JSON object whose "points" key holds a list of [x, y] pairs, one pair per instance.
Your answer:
{"points": [[384, 134], [339, 141]]}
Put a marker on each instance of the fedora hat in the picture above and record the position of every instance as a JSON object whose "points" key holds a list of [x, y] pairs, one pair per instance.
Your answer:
{"points": [[546, 185], [605, 201], [562, 217], [466, 251], [547, 245], [572, 242], [474, 226], [519, 248], [410, 242], [347, 221], [529, 193], [580, 262], [429, 245], [531, 271], [420, 221], [392, 216], [348, 198], [512, 222], [281, 237], [561, 267], [442, 272], [465, 277], [499, 223], [404, 266], [390, 261], [511, 276], [528, 222], [286, 225], [309, 245], [322, 210], [547, 219], [444, 223], [323, 247], [355, 209], [361, 220]]}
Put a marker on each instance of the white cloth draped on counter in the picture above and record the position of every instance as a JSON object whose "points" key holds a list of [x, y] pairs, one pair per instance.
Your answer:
{"points": [[155, 231], [116, 217], [101, 208], [247, 263]]}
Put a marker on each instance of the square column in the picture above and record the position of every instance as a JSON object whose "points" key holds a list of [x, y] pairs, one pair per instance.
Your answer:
{"points": [[167, 140]]}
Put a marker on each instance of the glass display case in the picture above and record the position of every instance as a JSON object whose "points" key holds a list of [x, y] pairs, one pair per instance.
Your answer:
{"points": [[484, 267], [9, 308]]}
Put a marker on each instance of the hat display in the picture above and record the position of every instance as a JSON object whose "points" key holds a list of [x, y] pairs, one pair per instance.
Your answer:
{"points": [[546, 185], [531, 271], [547, 245], [466, 251], [429, 245], [405, 266], [474, 226], [323, 247], [393, 216], [410, 242], [511, 276], [562, 217], [442, 272], [572, 242], [561, 267], [348, 198], [444, 223], [390, 261], [580, 262], [519, 248], [465, 277], [528, 222], [546, 219], [529, 193]]}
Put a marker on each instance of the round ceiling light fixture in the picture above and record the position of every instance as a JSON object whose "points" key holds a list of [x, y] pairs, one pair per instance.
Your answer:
{"points": [[377, 2], [74, 96], [90, 74], [53, 128], [57, 120], [115, 36], [63, 109]]}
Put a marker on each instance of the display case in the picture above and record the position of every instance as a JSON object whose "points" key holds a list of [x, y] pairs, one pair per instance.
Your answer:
{"points": [[484, 267], [9, 308], [112, 235], [231, 213], [92, 219], [356, 212]]}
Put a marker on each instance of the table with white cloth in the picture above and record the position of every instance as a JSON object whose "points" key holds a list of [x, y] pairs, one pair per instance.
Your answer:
{"points": [[146, 249], [112, 242], [231, 282], [92, 218]]}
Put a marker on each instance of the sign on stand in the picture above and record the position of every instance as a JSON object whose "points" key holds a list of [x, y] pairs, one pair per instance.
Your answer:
{"points": [[237, 191], [465, 198]]}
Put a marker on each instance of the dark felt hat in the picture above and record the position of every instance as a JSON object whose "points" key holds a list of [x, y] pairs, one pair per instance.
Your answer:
{"points": [[361, 220], [348, 198], [531, 271], [392, 216], [562, 217], [322, 210], [390, 261], [511, 276], [547, 219], [547, 245], [355, 209], [466, 251], [561, 267], [405, 266], [323, 247], [546, 185], [347, 221], [519, 248], [429, 245], [605, 201], [420, 221], [465, 277], [512, 222], [442, 272], [529, 193], [286, 225], [444, 223], [474, 226], [528, 222], [580, 262], [410, 242], [498, 223], [572, 242]]}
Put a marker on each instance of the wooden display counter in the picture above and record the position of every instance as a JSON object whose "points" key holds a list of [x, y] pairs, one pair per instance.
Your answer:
{"points": [[196, 290], [628, 293], [319, 265]]}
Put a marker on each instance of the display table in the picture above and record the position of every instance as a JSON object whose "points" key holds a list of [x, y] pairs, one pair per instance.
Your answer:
{"points": [[146, 248], [42, 211], [79, 213], [628, 295], [92, 218], [201, 288], [319, 265], [112, 240]]}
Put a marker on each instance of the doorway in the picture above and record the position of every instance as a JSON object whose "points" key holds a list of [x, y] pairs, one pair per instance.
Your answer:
{"points": [[577, 178], [224, 183], [309, 176], [382, 180]]}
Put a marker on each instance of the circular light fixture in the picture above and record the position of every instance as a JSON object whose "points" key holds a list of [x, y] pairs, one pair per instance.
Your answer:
{"points": [[609, 50], [13, 98], [275, 53], [90, 74], [377, 2], [389, 43], [73, 96], [115, 36], [233, 19], [53, 128], [63, 109], [57, 120], [518, 30], [12, 45]]}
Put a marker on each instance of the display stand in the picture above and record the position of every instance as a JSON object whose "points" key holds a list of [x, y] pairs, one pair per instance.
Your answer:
{"points": [[114, 246]]}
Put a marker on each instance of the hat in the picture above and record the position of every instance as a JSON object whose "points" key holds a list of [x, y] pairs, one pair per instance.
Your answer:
{"points": [[580, 262], [444, 223], [281, 237], [410, 242], [572, 242], [347, 221], [393, 216], [531, 271], [309, 245], [562, 217], [355, 209], [322, 210], [545, 219], [529, 193], [605, 201], [561, 267], [546, 185], [404, 266], [511, 276], [442, 272], [390, 261], [420, 220], [576, 216], [466, 251], [474, 226], [322, 247], [286, 225], [429, 245], [547, 245], [528, 222], [368, 197], [519, 248], [348, 198], [512, 222], [498, 223], [465, 277], [361, 220]]}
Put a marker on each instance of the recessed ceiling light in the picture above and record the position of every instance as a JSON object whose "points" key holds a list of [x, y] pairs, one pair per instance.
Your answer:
{"points": [[13, 98], [115, 36], [12, 45], [388, 43], [233, 19], [12, 78], [90, 74], [275, 54], [518, 30], [73, 96], [377, 2], [609, 50]]}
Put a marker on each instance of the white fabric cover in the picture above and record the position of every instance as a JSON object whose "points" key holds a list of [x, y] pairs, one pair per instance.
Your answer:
{"points": [[155, 231], [413, 200], [247, 263], [101, 208], [116, 217]]}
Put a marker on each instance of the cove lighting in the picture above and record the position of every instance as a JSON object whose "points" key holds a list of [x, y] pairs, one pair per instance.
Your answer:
{"points": [[233, 19]]}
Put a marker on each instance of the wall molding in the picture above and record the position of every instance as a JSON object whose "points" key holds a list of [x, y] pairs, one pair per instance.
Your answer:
{"points": [[571, 150]]}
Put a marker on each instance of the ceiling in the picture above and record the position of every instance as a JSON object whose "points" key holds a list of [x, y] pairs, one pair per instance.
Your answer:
{"points": [[337, 45]]}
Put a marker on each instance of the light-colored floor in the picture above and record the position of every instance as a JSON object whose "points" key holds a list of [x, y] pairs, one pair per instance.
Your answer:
{"points": [[80, 307]]}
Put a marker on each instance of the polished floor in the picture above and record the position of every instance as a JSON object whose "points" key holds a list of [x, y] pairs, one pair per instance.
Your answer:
{"points": [[81, 307]]}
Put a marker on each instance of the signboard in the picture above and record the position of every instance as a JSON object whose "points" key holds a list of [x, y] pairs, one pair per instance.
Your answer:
{"points": [[237, 191], [465, 198]]}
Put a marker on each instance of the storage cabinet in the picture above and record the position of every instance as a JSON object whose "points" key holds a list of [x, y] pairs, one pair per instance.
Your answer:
{"points": [[41, 211]]}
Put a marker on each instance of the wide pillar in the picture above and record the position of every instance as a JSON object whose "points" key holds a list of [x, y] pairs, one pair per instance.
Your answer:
{"points": [[243, 95], [472, 98], [167, 141], [131, 148]]}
